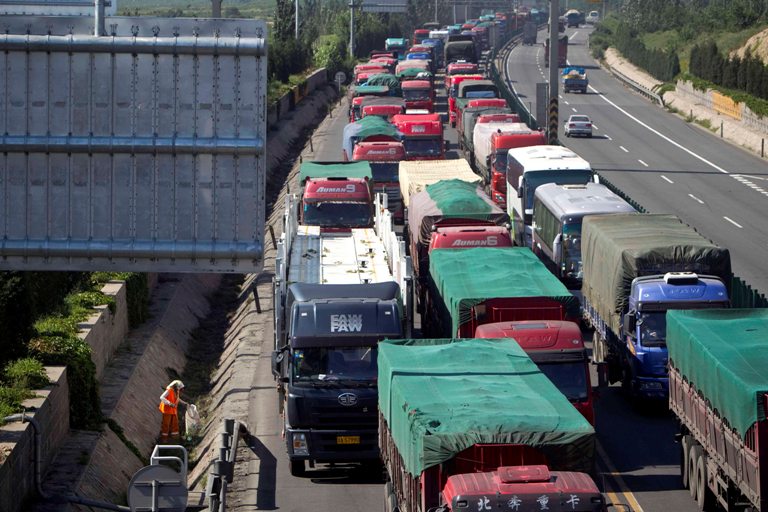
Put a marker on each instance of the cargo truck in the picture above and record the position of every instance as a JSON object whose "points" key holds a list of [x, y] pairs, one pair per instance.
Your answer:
{"points": [[336, 196], [384, 159], [422, 136], [419, 94], [574, 79], [398, 45], [459, 68], [636, 268], [562, 51], [530, 167], [558, 213], [453, 93], [466, 289], [558, 350], [718, 390], [335, 295], [367, 129], [530, 33], [414, 175], [469, 90], [474, 425], [460, 50], [472, 113], [491, 143], [442, 204]]}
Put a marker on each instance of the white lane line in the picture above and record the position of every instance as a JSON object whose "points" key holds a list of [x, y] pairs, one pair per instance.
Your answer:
{"points": [[595, 126], [734, 223], [574, 109], [674, 143], [574, 35], [608, 137], [666, 179], [645, 164], [566, 102], [695, 198], [624, 149]]}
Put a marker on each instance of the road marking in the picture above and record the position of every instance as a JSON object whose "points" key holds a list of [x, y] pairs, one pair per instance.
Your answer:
{"points": [[624, 149], [645, 164], [652, 130], [608, 137], [574, 35], [734, 223], [695, 198], [574, 109], [616, 476], [595, 126], [664, 177], [566, 102], [745, 179]]}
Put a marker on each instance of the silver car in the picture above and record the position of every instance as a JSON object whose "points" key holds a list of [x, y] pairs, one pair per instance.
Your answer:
{"points": [[593, 17], [578, 124]]}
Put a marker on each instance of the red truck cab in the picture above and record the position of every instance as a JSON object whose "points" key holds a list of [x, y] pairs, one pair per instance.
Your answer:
{"points": [[382, 110], [422, 136], [419, 94], [558, 350], [388, 62], [337, 204], [466, 237], [501, 143], [384, 158], [523, 489], [481, 102], [363, 71], [459, 68], [420, 34], [453, 92]]}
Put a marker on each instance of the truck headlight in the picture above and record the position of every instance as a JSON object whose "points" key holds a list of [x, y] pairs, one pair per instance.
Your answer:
{"points": [[300, 444]]}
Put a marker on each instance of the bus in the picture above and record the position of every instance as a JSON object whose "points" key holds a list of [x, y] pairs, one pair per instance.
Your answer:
{"points": [[556, 229], [531, 166]]}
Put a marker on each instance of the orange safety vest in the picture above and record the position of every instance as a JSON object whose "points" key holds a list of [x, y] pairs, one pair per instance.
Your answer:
{"points": [[173, 398]]}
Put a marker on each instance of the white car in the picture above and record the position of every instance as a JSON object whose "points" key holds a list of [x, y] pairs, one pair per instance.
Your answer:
{"points": [[592, 18], [578, 124]]}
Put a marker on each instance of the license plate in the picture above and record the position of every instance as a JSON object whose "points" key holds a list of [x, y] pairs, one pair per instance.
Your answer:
{"points": [[347, 439]]}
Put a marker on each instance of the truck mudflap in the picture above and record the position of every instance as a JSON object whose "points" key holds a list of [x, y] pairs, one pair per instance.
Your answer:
{"points": [[332, 445]]}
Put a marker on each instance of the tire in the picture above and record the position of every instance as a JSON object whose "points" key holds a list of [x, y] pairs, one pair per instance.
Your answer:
{"points": [[693, 458], [390, 502], [297, 467], [704, 496], [685, 444], [598, 354]]}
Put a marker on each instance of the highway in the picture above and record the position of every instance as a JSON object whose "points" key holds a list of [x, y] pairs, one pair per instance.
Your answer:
{"points": [[637, 455], [664, 163]]}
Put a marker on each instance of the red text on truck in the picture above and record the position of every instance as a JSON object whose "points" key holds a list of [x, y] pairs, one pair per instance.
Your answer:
{"points": [[337, 203]]}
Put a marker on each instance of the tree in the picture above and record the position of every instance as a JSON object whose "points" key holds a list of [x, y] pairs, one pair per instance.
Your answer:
{"points": [[216, 8], [284, 20]]}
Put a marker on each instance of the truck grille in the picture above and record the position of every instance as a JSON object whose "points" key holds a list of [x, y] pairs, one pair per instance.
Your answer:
{"points": [[343, 418]]}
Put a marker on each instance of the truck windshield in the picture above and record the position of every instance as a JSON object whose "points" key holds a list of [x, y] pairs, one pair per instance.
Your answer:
{"points": [[415, 94], [337, 213], [561, 176], [351, 365], [500, 162], [385, 172], [569, 378], [423, 147], [571, 243], [653, 328]]}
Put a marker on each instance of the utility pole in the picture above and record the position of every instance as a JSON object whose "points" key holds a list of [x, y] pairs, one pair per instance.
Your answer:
{"points": [[554, 35], [352, 28], [296, 8], [435, 10]]}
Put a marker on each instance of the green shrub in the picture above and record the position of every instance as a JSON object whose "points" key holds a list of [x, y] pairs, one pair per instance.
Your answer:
{"points": [[27, 373], [137, 293], [5, 410], [11, 399], [81, 304]]}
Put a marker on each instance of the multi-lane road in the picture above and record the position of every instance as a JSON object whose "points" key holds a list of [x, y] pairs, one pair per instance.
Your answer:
{"points": [[662, 162]]}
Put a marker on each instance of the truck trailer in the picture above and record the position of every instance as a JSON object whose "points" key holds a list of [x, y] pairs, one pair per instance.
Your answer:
{"points": [[474, 425], [414, 175], [335, 295], [718, 390], [636, 268], [485, 285]]}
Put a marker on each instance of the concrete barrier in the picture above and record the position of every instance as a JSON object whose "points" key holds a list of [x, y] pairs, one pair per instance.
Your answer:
{"points": [[105, 331], [288, 101]]}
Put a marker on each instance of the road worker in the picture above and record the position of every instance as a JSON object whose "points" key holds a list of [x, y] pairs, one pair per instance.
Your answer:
{"points": [[169, 406]]}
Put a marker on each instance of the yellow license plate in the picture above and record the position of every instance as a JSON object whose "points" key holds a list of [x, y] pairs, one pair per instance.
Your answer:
{"points": [[347, 439]]}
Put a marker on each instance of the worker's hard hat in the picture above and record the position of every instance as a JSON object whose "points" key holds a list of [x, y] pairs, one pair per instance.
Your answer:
{"points": [[176, 384]]}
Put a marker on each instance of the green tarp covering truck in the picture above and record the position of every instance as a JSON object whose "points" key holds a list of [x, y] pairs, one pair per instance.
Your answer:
{"points": [[457, 414], [718, 390]]}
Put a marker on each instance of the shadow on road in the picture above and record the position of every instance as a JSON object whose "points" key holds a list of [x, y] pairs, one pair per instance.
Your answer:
{"points": [[265, 496], [346, 474]]}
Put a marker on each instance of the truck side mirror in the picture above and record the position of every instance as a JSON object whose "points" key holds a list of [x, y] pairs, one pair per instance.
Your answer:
{"points": [[629, 322], [277, 359], [556, 247]]}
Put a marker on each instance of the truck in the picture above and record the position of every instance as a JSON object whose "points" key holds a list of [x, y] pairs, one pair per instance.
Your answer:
{"points": [[419, 94], [383, 107], [530, 33], [574, 79], [562, 51], [335, 196], [482, 285], [718, 391], [558, 213], [414, 175], [636, 268], [336, 295], [396, 44], [449, 202], [475, 111], [474, 424], [459, 68], [384, 159], [491, 143], [422, 136], [557, 348], [453, 93], [420, 34], [367, 129], [573, 18], [530, 167], [460, 49]]}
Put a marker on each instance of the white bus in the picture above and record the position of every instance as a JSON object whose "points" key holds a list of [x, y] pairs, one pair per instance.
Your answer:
{"points": [[557, 214], [529, 167]]}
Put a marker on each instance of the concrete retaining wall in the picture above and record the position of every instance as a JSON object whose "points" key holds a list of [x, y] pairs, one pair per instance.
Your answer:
{"points": [[50, 408], [105, 331], [289, 100], [749, 119]]}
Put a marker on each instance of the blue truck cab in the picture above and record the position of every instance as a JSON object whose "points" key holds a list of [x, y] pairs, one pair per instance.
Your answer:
{"points": [[643, 368]]}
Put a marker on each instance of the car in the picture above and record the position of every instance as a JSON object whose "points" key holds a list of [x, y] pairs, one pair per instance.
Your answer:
{"points": [[578, 124], [592, 18]]}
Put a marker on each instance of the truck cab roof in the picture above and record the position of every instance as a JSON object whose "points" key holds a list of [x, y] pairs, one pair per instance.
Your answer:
{"points": [[662, 289], [465, 237], [534, 335], [527, 486], [336, 189], [379, 151]]}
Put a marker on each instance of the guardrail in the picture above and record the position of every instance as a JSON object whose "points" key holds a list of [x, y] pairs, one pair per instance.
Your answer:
{"points": [[222, 469], [636, 86], [504, 84]]}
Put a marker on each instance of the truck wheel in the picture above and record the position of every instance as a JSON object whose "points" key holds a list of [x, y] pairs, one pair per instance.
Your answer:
{"points": [[685, 470], [704, 497], [297, 468], [693, 458], [598, 354], [390, 503]]}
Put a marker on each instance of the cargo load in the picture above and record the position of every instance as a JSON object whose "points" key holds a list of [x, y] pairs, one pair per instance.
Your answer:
{"points": [[416, 174]]}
